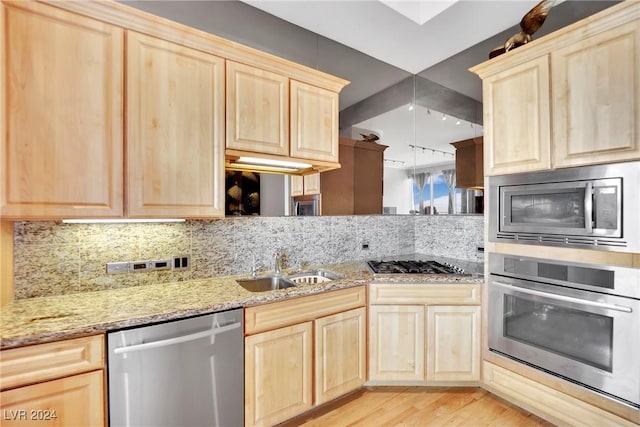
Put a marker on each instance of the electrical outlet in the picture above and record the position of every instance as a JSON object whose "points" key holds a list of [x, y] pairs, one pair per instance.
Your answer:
{"points": [[181, 262], [137, 266], [160, 264]]}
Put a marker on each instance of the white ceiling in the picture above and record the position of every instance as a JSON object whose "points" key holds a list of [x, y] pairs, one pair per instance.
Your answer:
{"points": [[390, 30], [396, 130]]}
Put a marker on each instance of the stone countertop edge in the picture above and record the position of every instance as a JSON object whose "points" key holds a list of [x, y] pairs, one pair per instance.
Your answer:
{"points": [[45, 319]]}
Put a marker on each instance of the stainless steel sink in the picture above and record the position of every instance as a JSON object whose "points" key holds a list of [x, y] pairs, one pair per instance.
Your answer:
{"points": [[266, 283], [314, 276]]}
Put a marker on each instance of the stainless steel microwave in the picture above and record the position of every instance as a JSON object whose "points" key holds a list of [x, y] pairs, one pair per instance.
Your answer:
{"points": [[305, 205], [595, 207]]}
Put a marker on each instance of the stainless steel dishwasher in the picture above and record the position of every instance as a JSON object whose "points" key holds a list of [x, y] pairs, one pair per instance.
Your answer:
{"points": [[187, 372]]}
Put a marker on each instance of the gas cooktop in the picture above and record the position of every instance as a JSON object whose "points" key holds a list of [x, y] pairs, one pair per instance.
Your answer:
{"points": [[413, 267]]}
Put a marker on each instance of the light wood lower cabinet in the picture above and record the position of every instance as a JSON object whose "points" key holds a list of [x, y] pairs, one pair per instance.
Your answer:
{"points": [[340, 354], [396, 343], [278, 374], [424, 333], [54, 384], [550, 404], [77, 400], [453, 343], [303, 352]]}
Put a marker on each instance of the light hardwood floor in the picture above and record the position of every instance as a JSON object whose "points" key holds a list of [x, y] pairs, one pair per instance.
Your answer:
{"points": [[420, 406]]}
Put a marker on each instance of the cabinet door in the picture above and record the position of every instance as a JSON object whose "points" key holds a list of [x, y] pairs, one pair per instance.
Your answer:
{"points": [[77, 400], [257, 110], [175, 153], [396, 343], [278, 374], [312, 184], [516, 119], [314, 123], [61, 114], [453, 343], [297, 185], [340, 354], [596, 95]]}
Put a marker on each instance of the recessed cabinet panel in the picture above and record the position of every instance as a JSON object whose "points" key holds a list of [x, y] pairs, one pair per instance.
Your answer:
{"points": [[516, 117], [453, 343], [77, 400], [278, 374], [596, 95], [257, 110], [62, 116], [314, 123], [175, 128], [396, 343], [340, 354]]}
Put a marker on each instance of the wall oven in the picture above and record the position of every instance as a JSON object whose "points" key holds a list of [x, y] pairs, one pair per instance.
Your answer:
{"points": [[577, 321], [589, 207]]}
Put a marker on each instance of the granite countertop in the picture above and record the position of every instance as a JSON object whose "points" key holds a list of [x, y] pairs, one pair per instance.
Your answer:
{"points": [[38, 320]]}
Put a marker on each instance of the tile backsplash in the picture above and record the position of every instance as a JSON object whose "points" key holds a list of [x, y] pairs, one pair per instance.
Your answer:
{"points": [[51, 258]]}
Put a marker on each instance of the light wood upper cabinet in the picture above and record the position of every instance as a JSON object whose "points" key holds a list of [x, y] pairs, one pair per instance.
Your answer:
{"points": [[175, 130], [278, 374], [312, 183], [257, 110], [314, 122], [453, 343], [570, 98], [340, 354], [516, 119], [61, 84], [396, 343], [305, 185], [297, 185], [596, 98]]}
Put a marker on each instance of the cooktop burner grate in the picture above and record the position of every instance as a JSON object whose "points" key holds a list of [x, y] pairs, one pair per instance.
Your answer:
{"points": [[413, 267]]}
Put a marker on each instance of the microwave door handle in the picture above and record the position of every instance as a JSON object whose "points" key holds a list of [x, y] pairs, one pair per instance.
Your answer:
{"points": [[588, 207], [565, 298]]}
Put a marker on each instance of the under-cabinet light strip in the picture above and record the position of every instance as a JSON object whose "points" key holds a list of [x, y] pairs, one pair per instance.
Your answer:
{"points": [[120, 220], [271, 162]]}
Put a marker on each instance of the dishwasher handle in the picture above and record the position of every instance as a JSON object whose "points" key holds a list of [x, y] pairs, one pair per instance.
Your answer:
{"points": [[177, 340]]}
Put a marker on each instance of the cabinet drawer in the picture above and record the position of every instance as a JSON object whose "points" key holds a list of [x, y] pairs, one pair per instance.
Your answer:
{"points": [[410, 293], [278, 314], [36, 363], [77, 400]]}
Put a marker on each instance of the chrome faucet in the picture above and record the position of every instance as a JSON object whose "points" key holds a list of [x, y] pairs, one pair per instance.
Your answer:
{"points": [[254, 266], [277, 263]]}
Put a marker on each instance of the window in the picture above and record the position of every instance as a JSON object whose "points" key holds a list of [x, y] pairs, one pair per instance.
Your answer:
{"points": [[439, 194]]}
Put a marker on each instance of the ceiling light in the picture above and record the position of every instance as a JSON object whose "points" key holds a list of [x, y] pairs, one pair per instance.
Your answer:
{"points": [[272, 162], [443, 117], [410, 107], [119, 220], [458, 122]]}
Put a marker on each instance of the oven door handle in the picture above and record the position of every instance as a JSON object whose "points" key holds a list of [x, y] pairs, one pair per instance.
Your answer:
{"points": [[588, 207], [565, 298]]}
